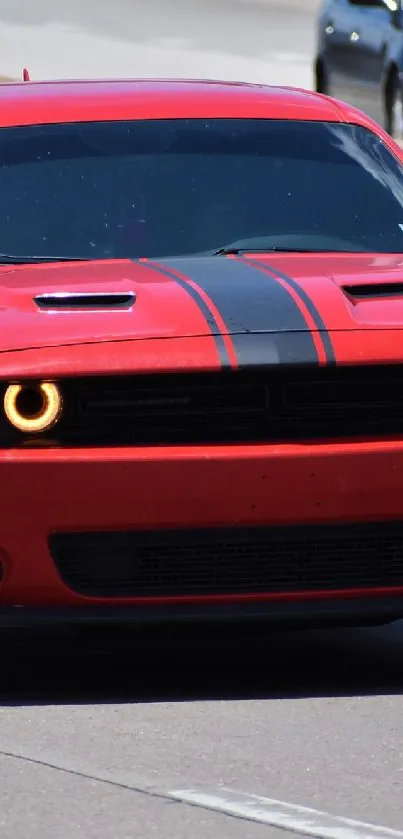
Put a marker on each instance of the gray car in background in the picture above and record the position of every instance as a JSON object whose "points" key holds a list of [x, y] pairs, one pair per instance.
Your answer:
{"points": [[359, 57]]}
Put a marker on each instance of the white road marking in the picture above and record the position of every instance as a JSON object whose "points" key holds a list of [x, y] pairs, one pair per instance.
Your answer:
{"points": [[280, 814], [253, 808]]}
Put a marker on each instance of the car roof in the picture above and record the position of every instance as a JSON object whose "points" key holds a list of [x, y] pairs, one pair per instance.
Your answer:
{"points": [[30, 103]]}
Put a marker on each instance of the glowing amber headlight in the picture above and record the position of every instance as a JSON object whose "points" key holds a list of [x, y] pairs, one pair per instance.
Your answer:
{"points": [[33, 408]]}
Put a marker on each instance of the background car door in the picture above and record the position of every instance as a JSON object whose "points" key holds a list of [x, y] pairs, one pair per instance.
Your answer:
{"points": [[368, 43], [362, 30], [336, 24]]}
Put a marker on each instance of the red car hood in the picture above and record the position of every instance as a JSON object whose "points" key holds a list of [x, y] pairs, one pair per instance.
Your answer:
{"points": [[200, 295]]}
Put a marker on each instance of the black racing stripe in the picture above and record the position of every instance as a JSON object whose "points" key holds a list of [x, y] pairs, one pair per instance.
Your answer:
{"points": [[250, 301], [262, 349], [208, 315], [313, 311]]}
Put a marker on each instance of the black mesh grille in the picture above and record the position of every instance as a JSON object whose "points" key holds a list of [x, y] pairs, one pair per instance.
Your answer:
{"points": [[231, 561], [276, 404]]}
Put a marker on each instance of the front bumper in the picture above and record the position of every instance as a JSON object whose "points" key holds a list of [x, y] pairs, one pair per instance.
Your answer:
{"points": [[182, 488]]}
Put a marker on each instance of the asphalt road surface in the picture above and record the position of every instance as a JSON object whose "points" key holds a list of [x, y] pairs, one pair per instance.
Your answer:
{"points": [[244, 39], [115, 737]]}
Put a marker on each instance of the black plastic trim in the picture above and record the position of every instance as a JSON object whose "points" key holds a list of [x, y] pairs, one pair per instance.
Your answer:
{"points": [[365, 611]]}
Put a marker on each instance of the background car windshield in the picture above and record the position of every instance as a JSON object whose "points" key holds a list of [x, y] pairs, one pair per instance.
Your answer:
{"points": [[170, 187]]}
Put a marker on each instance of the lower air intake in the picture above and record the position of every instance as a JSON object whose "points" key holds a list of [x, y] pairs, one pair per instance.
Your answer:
{"points": [[274, 560]]}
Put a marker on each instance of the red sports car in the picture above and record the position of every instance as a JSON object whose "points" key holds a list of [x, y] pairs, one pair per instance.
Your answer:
{"points": [[201, 310]]}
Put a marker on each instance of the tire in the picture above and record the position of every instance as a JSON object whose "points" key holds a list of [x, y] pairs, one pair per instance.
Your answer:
{"points": [[394, 110], [321, 80]]}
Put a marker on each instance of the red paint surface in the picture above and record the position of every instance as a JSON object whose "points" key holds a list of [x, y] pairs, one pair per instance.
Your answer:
{"points": [[70, 101], [364, 332], [182, 487]]}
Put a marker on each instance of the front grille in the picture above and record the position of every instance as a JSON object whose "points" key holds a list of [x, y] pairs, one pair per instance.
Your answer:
{"points": [[233, 561], [246, 406]]}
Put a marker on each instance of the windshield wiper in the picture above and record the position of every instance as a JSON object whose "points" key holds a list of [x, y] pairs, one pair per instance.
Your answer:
{"points": [[273, 248], [10, 259], [281, 243]]}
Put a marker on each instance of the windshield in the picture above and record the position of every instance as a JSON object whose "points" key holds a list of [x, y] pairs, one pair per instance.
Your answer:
{"points": [[170, 187]]}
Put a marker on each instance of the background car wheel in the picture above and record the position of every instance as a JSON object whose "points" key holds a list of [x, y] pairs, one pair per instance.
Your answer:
{"points": [[320, 77], [394, 121]]}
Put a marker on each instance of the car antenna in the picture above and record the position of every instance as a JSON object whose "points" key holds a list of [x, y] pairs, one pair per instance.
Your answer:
{"points": [[25, 75]]}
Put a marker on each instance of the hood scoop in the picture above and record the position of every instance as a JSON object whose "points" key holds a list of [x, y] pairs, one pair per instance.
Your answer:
{"points": [[373, 291], [85, 301]]}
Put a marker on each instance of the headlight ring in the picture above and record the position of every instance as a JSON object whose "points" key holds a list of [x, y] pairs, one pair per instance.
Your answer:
{"points": [[33, 408]]}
